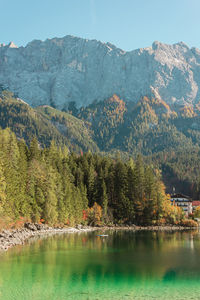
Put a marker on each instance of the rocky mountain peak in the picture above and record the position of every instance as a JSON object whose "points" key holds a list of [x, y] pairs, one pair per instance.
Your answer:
{"points": [[12, 45], [61, 70]]}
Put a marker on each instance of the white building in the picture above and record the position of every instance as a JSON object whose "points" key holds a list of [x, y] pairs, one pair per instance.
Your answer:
{"points": [[182, 201]]}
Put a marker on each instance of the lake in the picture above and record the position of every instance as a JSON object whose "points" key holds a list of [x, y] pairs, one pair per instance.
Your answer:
{"points": [[124, 265]]}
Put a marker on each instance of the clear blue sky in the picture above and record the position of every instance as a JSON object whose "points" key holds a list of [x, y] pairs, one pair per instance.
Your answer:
{"points": [[129, 24]]}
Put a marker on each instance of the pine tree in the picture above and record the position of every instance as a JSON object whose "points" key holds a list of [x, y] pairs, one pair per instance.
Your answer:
{"points": [[50, 206], [139, 190], [104, 200], [23, 168], [34, 151], [89, 179], [2, 188], [120, 190], [11, 171]]}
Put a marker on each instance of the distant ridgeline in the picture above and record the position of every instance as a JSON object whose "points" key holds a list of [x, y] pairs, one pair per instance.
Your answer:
{"points": [[54, 186], [59, 70]]}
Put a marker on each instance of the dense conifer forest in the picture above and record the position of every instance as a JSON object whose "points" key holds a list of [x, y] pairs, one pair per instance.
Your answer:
{"points": [[55, 186]]}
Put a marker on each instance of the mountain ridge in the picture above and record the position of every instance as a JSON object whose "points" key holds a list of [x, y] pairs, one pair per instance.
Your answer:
{"points": [[61, 70]]}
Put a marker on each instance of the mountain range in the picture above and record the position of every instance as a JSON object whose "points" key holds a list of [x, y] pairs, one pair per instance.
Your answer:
{"points": [[62, 70]]}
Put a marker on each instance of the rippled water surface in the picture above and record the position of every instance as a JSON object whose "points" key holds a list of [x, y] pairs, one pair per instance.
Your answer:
{"points": [[124, 265]]}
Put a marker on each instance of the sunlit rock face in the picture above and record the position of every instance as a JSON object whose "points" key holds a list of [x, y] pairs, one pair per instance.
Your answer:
{"points": [[61, 70]]}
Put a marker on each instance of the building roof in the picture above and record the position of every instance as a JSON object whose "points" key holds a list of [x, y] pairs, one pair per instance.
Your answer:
{"points": [[180, 196], [196, 203]]}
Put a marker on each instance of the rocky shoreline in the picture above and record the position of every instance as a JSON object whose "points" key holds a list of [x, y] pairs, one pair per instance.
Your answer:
{"points": [[10, 238], [148, 228]]}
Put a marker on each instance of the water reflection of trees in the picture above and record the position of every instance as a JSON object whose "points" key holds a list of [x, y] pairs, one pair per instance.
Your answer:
{"points": [[73, 261]]}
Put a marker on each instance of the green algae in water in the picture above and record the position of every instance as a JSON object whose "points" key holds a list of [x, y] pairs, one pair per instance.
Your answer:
{"points": [[124, 265]]}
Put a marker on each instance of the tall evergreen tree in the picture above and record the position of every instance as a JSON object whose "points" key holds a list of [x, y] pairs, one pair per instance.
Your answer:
{"points": [[2, 189]]}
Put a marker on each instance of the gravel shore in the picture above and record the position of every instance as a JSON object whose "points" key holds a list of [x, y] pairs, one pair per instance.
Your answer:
{"points": [[10, 238]]}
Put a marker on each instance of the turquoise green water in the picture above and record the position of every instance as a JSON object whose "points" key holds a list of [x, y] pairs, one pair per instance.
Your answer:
{"points": [[124, 265]]}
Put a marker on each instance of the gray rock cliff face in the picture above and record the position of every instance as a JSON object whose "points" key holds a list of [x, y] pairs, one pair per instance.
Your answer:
{"points": [[61, 70]]}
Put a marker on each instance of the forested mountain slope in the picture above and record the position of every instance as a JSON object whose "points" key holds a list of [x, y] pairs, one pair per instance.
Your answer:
{"points": [[168, 136], [45, 123]]}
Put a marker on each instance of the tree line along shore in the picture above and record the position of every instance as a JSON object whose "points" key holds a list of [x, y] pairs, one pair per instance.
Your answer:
{"points": [[55, 187]]}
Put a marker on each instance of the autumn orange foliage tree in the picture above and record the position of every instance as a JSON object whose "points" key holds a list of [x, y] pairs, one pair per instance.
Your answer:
{"points": [[94, 215], [197, 212]]}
